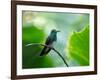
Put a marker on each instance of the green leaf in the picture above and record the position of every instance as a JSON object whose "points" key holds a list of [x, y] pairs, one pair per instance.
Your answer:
{"points": [[32, 34], [78, 46], [30, 55]]}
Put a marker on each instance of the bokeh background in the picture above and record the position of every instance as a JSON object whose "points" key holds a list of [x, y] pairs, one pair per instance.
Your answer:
{"points": [[37, 26]]}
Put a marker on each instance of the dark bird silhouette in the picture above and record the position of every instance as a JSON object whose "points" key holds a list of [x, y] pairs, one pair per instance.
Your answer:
{"points": [[49, 41]]}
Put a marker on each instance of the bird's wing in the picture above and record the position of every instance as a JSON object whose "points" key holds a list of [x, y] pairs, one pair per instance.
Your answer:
{"points": [[48, 41], [45, 50]]}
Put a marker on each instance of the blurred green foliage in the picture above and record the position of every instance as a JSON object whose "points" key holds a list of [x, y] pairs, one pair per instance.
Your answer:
{"points": [[30, 54], [38, 25], [78, 46]]}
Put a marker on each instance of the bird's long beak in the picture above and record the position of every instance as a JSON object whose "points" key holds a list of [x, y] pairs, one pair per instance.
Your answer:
{"points": [[58, 31]]}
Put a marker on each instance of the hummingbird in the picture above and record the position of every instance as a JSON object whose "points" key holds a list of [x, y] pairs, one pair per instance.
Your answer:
{"points": [[49, 41]]}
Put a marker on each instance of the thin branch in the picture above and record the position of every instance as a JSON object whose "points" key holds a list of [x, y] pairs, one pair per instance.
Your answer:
{"points": [[52, 49], [60, 56]]}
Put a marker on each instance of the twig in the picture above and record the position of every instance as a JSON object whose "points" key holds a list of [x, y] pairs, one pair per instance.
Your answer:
{"points": [[52, 49], [60, 56]]}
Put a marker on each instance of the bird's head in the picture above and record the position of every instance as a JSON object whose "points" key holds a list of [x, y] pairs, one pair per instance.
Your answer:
{"points": [[55, 31]]}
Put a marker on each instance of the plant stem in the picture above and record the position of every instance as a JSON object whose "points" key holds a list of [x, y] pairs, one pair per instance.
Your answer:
{"points": [[60, 56], [52, 49]]}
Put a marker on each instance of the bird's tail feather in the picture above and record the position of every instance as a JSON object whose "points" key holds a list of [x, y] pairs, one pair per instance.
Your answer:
{"points": [[43, 51]]}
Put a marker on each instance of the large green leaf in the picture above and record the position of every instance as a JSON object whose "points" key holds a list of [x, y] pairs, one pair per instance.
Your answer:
{"points": [[30, 55], [78, 46]]}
